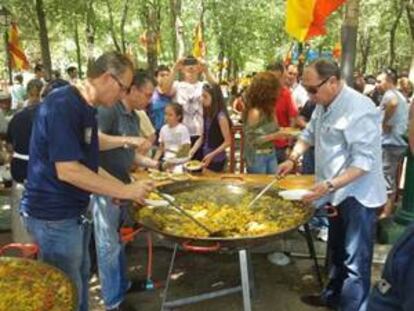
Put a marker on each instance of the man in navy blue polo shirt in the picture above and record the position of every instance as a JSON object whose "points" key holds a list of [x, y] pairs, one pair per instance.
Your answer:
{"points": [[63, 168]]}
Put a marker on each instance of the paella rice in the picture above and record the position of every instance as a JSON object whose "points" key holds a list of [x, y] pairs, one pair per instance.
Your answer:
{"points": [[232, 219]]}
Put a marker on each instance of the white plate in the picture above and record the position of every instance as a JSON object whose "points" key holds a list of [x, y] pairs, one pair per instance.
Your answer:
{"points": [[295, 194], [177, 161], [193, 168], [179, 176], [159, 203], [158, 176]]}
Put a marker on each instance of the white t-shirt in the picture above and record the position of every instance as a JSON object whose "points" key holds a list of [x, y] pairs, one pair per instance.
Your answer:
{"points": [[189, 96], [299, 94], [18, 94], [173, 138]]}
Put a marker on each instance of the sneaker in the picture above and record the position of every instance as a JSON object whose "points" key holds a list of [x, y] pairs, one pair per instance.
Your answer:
{"points": [[322, 234], [122, 307], [278, 259]]}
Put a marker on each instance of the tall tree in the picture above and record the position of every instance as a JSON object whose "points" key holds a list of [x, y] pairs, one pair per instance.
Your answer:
{"points": [[90, 29], [365, 40], [112, 25], [399, 9], [410, 15], [151, 17], [349, 34], [175, 13], [44, 39]]}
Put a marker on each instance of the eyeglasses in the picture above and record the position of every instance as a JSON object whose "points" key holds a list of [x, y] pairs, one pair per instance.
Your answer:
{"points": [[122, 86], [313, 89]]}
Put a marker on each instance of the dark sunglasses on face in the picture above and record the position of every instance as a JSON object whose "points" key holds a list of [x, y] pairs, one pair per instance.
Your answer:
{"points": [[313, 89], [123, 87]]}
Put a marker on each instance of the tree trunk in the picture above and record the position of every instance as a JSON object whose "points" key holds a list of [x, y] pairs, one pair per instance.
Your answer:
{"points": [[123, 22], [112, 26], [179, 29], [152, 14], [44, 40], [393, 30], [364, 41], [410, 16], [175, 8], [349, 33], [78, 51], [90, 31], [220, 61]]}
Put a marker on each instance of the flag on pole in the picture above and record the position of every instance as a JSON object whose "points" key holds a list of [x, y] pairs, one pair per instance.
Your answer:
{"points": [[306, 19], [18, 58], [199, 48]]}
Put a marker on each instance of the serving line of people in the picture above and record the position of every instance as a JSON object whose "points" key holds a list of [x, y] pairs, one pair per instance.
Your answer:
{"points": [[70, 159]]}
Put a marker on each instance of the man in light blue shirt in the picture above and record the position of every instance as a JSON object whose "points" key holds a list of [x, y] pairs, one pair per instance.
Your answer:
{"points": [[345, 131], [394, 109]]}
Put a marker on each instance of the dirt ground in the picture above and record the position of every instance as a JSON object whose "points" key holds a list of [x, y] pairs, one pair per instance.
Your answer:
{"points": [[277, 288]]}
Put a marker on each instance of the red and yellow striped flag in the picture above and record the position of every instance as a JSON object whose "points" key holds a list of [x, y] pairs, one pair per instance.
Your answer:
{"points": [[199, 49], [306, 19], [18, 58]]}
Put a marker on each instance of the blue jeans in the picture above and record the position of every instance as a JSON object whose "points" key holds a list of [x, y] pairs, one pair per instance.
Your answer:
{"points": [[64, 244], [395, 292], [351, 243], [263, 164], [110, 251]]}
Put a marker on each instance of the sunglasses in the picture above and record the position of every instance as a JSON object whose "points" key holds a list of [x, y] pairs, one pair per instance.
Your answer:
{"points": [[122, 86], [313, 89]]}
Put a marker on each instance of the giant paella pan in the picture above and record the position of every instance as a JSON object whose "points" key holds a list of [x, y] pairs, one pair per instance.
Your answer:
{"points": [[222, 206], [27, 285]]}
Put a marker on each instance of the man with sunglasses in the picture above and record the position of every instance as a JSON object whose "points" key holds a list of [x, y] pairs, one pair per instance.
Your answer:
{"points": [[345, 131], [63, 168]]}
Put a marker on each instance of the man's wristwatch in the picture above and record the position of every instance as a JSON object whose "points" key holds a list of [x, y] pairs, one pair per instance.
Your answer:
{"points": [[331, 187]]}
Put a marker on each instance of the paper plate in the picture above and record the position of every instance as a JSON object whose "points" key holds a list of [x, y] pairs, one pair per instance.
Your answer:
{"points": [[193, 165], [296, 194], [177, 161], [160, 202], [158, 176], [179, 176]]}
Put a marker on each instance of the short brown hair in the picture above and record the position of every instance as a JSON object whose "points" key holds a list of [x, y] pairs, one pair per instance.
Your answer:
{"points": [[113, 62], [263, 92]]}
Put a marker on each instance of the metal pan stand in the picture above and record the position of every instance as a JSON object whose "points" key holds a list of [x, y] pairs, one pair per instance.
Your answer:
{"points": [[246, 287]]}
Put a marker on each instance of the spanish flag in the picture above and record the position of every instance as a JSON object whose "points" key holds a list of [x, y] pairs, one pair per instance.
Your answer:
{"points": [[199, 48], [18, 58], [306, 18]]}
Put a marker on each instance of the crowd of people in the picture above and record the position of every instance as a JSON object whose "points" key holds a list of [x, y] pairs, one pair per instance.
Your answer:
{"points": [[74, 144]]}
